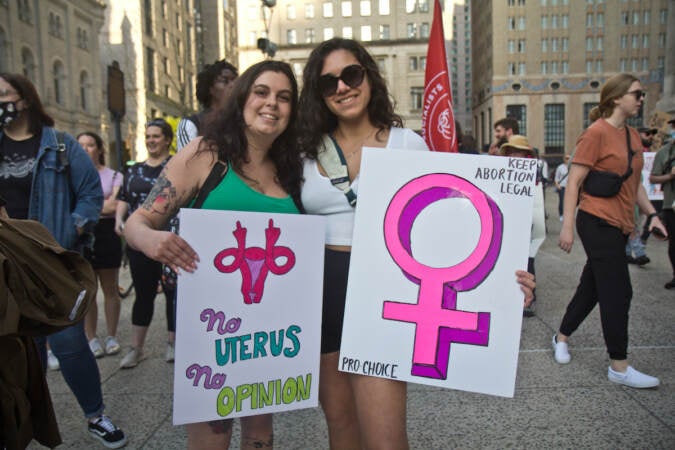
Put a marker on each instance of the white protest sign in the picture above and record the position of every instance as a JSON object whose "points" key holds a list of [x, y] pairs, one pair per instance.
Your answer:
{"points": [[432, 295], [248, 326], [654, 191]]}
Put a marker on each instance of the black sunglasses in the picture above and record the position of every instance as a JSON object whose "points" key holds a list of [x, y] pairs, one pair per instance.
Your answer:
{"points": [[352, 76], [639, 94]]}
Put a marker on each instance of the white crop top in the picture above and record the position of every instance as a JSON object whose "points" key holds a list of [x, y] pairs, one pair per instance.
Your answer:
{"points": [[320, 197]]}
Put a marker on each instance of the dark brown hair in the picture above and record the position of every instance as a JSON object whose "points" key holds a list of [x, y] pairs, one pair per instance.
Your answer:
{"points": [[37, 117], [99, 144]]}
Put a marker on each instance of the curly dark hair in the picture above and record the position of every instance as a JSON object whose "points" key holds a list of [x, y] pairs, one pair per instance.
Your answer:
{"points": [[315, 119], [225, 135], [207, 77]]}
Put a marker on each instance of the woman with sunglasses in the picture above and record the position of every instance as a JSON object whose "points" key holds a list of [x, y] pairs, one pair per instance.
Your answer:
{"points": [[253, 139], [146, 273], [604, 223], [345, 97]]}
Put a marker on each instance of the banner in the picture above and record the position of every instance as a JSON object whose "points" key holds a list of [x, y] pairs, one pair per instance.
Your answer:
{"points": [[438, 119], [248, 320], [432, 295]]}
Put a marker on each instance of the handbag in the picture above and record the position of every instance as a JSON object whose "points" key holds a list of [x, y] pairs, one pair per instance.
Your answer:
{"points": [[608, 184]]}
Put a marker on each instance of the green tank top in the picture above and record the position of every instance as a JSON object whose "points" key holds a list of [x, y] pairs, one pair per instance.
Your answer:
{"points": [[234, 194]]}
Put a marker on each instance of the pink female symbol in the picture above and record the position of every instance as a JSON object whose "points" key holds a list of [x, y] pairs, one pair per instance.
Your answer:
{"points": [[255, 262], [437, 321]]}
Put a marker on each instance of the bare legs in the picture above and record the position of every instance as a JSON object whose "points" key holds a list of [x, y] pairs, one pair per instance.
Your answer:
{"points": [[109, 279], [361, 411], [256, 433]]}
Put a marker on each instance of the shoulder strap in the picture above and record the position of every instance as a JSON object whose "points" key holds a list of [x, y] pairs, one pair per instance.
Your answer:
{"points": [[334, 163], [216, 175], [61, 149], [629, 170]]}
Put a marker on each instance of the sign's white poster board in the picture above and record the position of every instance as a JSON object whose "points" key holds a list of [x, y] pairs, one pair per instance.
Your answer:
{"points": [[654, 191], [249, 318], [432, 295]]}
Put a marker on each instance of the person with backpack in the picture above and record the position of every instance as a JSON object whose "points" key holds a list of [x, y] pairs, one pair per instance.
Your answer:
{"points": [[46, 176], [214, 84]]}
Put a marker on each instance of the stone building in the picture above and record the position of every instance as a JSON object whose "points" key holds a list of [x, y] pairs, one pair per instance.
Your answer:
{"points": [[543, 62], [55, 44]]}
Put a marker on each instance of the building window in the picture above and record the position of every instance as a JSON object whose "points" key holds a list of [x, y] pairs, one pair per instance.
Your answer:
{"points": [[646, 17], [544, 45], [624, 18], [565, 19], [55, 25], [165, 64], [412, 63], [366, 33], [521, 22], [511, 46], [28, 64], [163, 8], [384, 31], [636, 17], [518, 112], [554, 67], [623, 64], [290, 11], [347, 33], [544, 67], [511, 68], [410, 6], [600, 19], [346, 8], [328, 33], [565, 44], [327, 9], [423, 6], [634, 41], [424, 30], [84, 90], [82, 38], [521, 45], [589, 66], [383, 7], [423, 65], [309, 11], [589, 20], [364, 8], [554, 44], [521, 68], [291, 36], [660, 62], [511, 23], [25, 13], [645, 41], [645, 64], [598, 43], [150, 68], [565, 67], [554, 21], [586, 112], [416, 97], [634, 65], [411, 30], [589, 44], [598, 65], [309, 35], [58, 76], [544, 22], [624, 41], [661, 40], [554, 128], [663, 16], [147, 6]]}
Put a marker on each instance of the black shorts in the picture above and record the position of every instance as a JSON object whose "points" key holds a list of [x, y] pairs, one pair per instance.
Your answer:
{"points": [[107, 252], [335, 270]]}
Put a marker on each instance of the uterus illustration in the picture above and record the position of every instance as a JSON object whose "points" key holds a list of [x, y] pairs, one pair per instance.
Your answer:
{"points": [[255, 263]]}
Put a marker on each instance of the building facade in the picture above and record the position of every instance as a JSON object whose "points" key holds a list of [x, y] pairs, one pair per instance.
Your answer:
{"points": [[216, 23], [460, 64], [543, 62], [55, 44], [396, 32]]}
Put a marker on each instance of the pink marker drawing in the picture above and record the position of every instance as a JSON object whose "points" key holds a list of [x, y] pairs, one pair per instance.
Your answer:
{"points": [[437, 321], [255, 262]]}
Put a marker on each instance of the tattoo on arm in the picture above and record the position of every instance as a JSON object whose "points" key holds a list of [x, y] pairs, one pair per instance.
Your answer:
{"points": [[163, 198]]}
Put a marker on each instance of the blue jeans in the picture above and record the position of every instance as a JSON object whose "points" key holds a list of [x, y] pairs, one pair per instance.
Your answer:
{"points": [[78, 366]]}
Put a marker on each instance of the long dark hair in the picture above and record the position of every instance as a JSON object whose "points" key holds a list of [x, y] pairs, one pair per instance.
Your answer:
{"points": [[315, 119], [225, 135], [37, 117], [99, 144]]}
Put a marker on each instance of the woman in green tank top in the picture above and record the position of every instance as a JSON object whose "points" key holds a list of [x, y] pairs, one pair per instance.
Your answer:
{"points": [[255, 136]]}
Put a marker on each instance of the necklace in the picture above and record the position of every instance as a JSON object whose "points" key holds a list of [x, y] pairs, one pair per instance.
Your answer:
{"points": [[359, 145]]}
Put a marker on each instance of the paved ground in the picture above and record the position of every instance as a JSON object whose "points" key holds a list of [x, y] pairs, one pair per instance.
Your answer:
{"points": [[572, 406]]}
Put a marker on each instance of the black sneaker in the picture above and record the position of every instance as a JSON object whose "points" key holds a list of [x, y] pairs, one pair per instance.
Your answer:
{"points": [[107, 433], [670, 284], [642, 260]]}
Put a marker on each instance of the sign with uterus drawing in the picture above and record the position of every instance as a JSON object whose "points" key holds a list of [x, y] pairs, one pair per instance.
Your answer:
{"points": [[432, 295], [248, 319]]}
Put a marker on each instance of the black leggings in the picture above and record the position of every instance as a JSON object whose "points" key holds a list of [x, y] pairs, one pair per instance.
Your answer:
{"points": [[604, 280], [146, 273]]}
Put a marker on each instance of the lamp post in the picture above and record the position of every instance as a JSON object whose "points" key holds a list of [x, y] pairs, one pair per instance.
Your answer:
{"points": [[116, 105]]}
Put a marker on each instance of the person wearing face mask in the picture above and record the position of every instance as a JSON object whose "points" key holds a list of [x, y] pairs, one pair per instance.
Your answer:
{"points": [[663, 172], [46, 176], [214, 84]]}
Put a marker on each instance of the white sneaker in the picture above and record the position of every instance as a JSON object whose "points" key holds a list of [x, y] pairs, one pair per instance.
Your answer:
{"points": [[96, 347], [112, 347], [561, 352], [52, 361], [632, 378], [170, 355], [132, 358]]}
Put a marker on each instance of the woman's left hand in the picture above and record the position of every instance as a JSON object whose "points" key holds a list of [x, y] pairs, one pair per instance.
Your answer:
{"points": [[527, 285]]}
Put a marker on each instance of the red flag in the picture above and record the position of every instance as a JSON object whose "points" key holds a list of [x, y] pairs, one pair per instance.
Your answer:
{"points": [[438, 120]]}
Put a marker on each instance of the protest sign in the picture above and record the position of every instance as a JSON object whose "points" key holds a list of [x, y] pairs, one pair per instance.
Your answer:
{"points": [[432, 295], [654, 191], [248, 326]]}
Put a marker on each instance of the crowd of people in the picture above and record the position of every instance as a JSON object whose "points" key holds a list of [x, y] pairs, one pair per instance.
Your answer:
{"points": [[263, 139]]}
